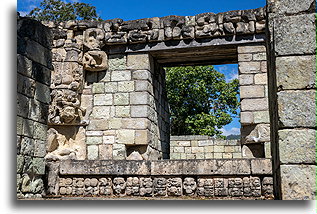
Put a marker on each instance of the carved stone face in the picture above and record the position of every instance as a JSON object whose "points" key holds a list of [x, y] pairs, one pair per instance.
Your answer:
{"points": [[68, 114], [189, 185], [119, 185]]}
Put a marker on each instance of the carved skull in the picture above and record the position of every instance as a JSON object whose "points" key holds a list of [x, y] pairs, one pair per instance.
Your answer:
{"points": [[190, 186], [119, 185]]}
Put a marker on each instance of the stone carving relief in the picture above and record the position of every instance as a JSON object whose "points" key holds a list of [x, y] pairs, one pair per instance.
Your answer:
{"points": [[205, 187], [189, 186], [119, 186], [60, 147], [133, 186], [235, 187], [95, 61], [160, 185], [94, 38], [174, 186], [261, 133], [146, 186], [105, 186]]}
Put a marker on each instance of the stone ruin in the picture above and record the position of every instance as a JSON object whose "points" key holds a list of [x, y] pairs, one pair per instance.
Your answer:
{"points": [[93, 115]]}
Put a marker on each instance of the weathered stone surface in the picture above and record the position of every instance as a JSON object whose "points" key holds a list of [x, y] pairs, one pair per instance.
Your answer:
{"points": [[246, 79], [296, 72], [38, 166], [261, 166], [297, 108], [117, 62], [251, 91], [121, 99], [98, 88], [288, 7], [138, 61], [105, 152], [251, 49], [100, 124], [121, 75], [92, 152], [297, 146], [260, 79], [254, 104], [261, 117], [298, 182], [246, 118], [249, 67], [95, 61], [295, 34]]}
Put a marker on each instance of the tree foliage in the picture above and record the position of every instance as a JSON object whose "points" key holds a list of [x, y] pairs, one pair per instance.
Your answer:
{"points": [[59, 11], [201, 101]]}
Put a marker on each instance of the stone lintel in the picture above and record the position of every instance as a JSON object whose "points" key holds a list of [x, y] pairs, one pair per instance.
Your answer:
{"points": [[161, 167]]}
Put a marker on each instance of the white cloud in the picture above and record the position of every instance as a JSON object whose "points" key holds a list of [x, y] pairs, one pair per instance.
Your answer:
{"points": [[229, 71], [232, 131], [23, 13]]}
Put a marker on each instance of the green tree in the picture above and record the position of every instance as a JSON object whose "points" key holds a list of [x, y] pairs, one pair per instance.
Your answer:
{"points": [[59, 11], [201, 101]]}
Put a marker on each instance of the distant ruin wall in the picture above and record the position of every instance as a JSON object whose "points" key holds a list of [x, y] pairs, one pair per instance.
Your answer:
{"points": [[34, 67], [203, 147]]}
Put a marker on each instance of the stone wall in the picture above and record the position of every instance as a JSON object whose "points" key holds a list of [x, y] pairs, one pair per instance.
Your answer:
{"points": [[203, 147], [254, 116], [292, 88], [34, 66]]}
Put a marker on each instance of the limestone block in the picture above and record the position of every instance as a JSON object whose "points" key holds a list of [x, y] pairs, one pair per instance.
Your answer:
{"points": [[261, 117], [124, 75], [197, 149], [251, 91], [108, 139], [249, 67], [139, 98], [297, 146], [105, 152], [260, 133], [38, 111], [126, 136], [183, 143], [261, 166], [123, 111], [121, 99], [296, 72], [295, 34], [119, 152], [98, 88], [142, 75], [236, 155], [39, 148], [258, 104], [205, 143], [103, 99], [38, 166], [25, 86], [94, 133], [288, 7], [175, 156], [126, 86], [244, 57], [100, 124], [246, 118], [143, 86], [138, 61], [115, 123], [264, 67], [101, 112], [251, 49], [259, 56], [246, 79], [188, 150], [117, 62], [33, 48], [20, 163], [40, 131], [219, 149], [24, 65], [297, 108], [229, 149], [208, 149], [140, 111], [267, 150], [19, 125], [22, 105], [92, 152], [111, 87], [135, 123], [42, 93], [41, 74], [93, 140], [142, 137], [179, 149], [298, 182], [260, 79]]}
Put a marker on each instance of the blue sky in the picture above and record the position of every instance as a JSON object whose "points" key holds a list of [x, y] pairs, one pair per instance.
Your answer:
{"points": [[137, 9]]}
